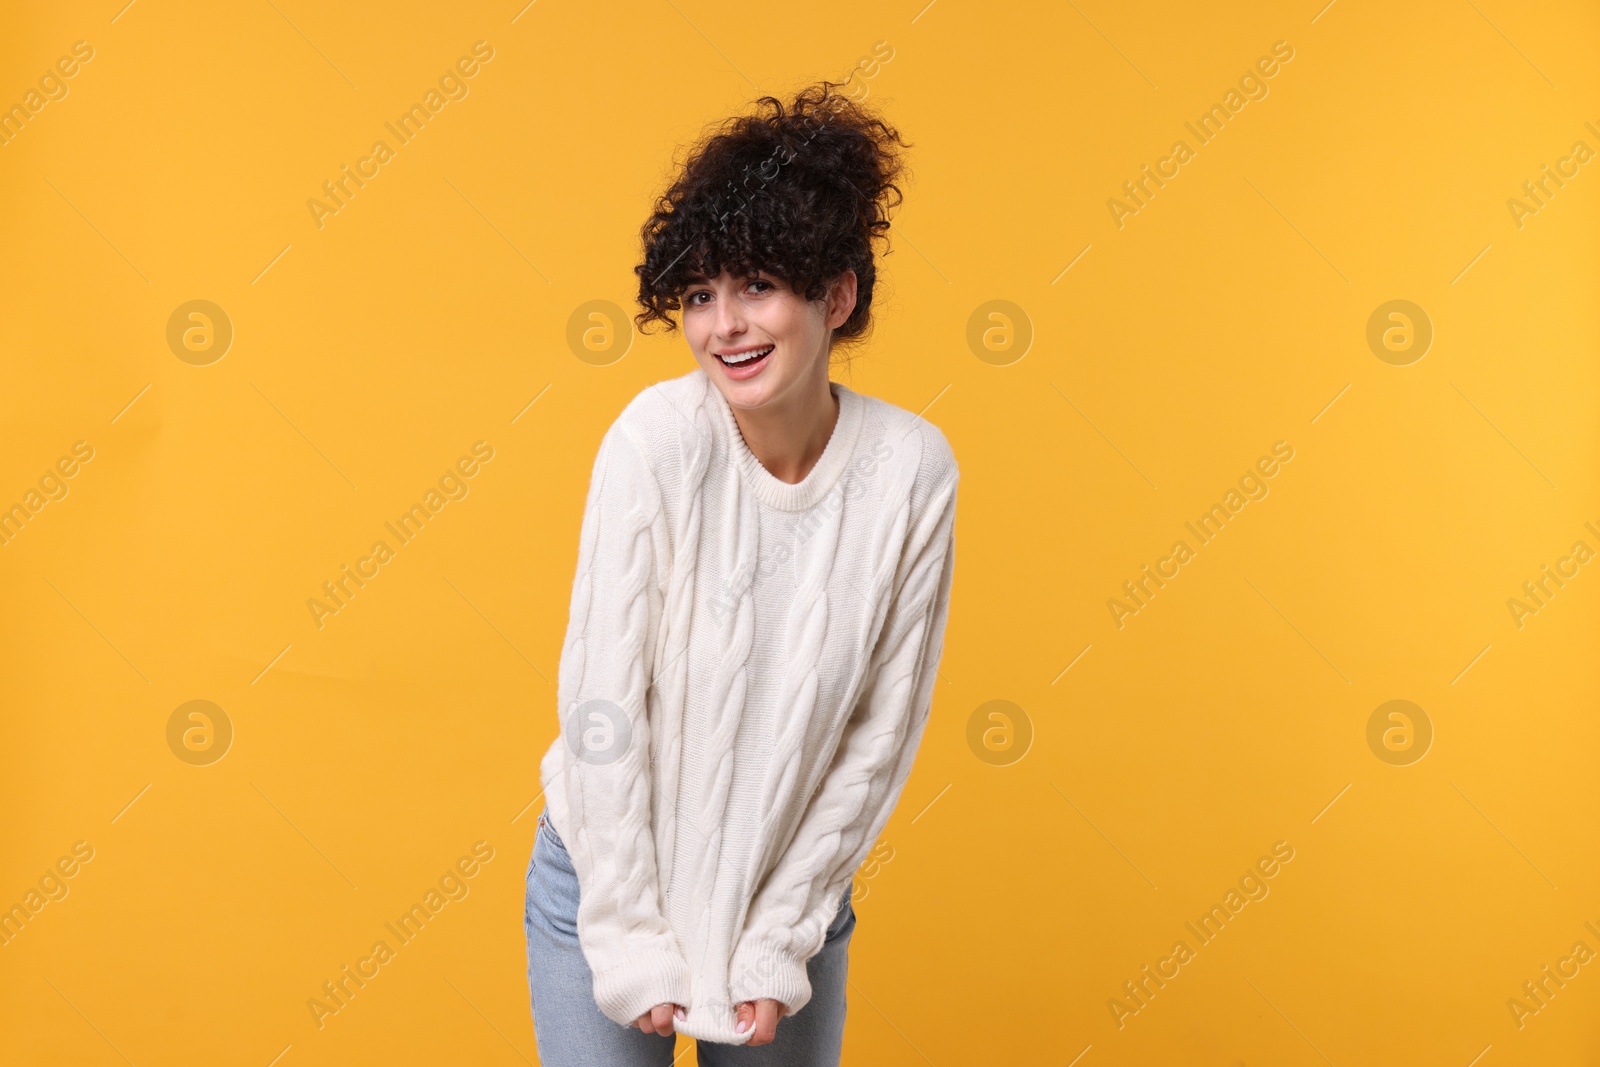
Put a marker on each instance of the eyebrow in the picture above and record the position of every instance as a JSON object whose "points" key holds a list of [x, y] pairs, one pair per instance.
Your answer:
{"points": [[701, 279]]}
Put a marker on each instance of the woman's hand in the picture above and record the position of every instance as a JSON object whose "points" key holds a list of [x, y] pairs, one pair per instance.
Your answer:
{"points": [[761, 1014], [658, 1020]]}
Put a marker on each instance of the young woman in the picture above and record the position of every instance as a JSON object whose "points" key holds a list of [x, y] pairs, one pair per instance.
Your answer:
{"points": [[762, 584]]}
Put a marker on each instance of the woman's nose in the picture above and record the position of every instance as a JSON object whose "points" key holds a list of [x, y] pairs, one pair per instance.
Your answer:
{"points": [[729, 319]]}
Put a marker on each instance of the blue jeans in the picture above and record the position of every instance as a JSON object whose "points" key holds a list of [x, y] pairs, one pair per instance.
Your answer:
{"points": [[572, 1032]]}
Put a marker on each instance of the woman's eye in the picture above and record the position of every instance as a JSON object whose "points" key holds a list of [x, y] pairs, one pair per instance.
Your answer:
{"points": [[764, 284]]}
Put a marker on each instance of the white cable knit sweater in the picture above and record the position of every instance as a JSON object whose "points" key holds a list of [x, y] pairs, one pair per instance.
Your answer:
{"points": [[747, 672]]}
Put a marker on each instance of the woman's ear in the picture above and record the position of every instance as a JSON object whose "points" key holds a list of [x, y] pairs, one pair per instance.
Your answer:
{"points": [[841, 299]]}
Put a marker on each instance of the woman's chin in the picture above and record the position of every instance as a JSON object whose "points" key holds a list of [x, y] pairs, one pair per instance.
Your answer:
{"points": [[745, 398], [743, 392]]}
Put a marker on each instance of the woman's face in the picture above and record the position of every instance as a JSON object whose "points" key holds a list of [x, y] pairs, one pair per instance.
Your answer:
{"points": [[732, 317]]}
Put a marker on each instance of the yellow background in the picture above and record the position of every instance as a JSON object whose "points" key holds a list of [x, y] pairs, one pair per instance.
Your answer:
{"points": [[1019, 893]]}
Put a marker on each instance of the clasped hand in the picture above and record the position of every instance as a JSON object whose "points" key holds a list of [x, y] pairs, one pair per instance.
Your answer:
{"points": [[761, 1014]]}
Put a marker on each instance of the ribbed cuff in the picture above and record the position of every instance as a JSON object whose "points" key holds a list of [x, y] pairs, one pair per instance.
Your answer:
{"points": [[654, 975], [766, 969]]}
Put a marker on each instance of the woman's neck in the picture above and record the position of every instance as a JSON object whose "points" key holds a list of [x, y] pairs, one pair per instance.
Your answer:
{"points": [[789, 439]]}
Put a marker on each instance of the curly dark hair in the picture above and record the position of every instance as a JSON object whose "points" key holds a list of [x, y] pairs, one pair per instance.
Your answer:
{"points": [[799, 194]]}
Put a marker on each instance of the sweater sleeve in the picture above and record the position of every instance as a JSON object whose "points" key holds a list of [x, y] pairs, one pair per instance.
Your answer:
{"points": [[789, 916], [604, 770]]}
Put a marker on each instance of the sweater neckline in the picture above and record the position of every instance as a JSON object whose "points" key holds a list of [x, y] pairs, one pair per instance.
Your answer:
{"points": [[824, 474]]}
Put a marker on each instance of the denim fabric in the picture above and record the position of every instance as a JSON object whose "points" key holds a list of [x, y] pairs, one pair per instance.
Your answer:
{"points": [[572, 1032]]}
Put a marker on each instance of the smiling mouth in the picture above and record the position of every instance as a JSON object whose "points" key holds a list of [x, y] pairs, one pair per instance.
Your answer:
{"points": [[747, 359]]}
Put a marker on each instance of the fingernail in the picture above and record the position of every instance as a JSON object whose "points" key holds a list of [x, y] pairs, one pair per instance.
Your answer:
{"points": [[742, 1027], [678, 1012]]}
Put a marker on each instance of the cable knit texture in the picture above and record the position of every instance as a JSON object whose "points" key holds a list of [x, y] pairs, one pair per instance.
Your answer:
{"points": [[748, 669]]}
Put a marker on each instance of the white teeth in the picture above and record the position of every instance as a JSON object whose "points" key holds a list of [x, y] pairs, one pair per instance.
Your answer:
{"points": [[746, 357]]}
